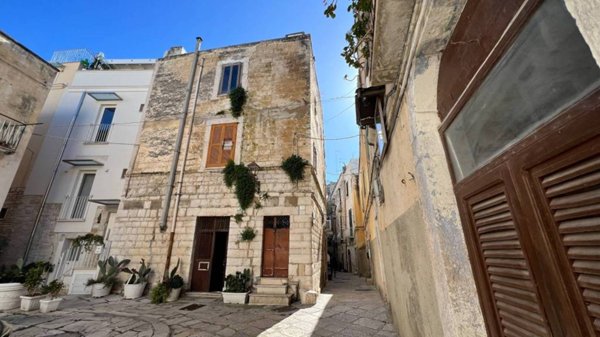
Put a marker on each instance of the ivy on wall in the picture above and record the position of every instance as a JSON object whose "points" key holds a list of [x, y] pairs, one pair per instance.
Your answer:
{"points": [[244, 181], [294, 167], [237, 98]]}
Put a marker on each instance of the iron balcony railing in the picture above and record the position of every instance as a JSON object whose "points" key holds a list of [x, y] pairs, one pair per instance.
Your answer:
{"points": [[74, 208], [11, 131], [98, 133]]}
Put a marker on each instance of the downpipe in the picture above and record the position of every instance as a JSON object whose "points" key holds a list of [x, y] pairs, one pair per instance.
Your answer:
{"points": [[182, 120]]}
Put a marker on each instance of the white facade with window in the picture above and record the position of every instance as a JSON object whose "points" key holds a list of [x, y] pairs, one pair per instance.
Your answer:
{"points": [[343, 197], [106, 108]]}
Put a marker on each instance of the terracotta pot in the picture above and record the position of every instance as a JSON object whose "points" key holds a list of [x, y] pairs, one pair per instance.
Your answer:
{"points": [[49, 305], [10, 294]]}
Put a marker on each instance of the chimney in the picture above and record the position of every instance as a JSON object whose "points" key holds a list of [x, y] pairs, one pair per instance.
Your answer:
{"points": [[176, 50]]}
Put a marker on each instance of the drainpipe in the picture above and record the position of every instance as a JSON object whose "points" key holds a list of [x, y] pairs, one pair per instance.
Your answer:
{"points": [[38, 216], [182, 120], [181, 173]]}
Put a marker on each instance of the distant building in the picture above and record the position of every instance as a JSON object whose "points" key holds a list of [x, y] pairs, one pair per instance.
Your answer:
{"points": [[25, 80], [79, 159]]}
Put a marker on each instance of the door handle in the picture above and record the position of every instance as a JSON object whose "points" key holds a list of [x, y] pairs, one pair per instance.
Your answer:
{"points": [[203, 266]]}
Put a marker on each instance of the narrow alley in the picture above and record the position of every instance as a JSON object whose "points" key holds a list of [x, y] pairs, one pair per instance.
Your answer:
{"points": [[347, 307]]}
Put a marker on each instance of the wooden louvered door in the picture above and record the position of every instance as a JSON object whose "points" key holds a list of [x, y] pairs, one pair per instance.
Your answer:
{"points": [[506, 283], [567, 193], [531, 219]]}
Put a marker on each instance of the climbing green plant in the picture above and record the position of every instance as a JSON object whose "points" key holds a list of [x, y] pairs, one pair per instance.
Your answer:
{"points": [[238, 98], [247, 234], [294, 167], [359, 37], [243, 180], [88, 241]]}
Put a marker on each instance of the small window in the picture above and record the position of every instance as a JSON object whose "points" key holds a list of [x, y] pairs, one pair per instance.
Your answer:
{"points": [[123, 173], [350, 224], [276, 222], [3, 213], [221, 147], [230, 78], [314, 156], [141, 107]]}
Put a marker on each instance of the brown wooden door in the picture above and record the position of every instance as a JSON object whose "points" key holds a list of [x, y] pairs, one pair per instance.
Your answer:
{"points": [[210, 252], [276, 238], [532, 224]]}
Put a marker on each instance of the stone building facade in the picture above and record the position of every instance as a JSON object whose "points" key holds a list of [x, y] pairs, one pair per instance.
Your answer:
{"points": [[486, 249], [25, 80], [282, 117]]}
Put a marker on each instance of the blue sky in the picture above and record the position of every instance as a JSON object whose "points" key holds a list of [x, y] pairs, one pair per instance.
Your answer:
{"points": [[145, 29]]}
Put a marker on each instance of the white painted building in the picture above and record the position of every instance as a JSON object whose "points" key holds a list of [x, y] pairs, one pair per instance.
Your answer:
{"points": [[344, 217], [85, 152]]}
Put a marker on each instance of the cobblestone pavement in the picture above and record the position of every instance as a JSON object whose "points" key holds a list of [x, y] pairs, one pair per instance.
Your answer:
{"points": [[347, 307]]}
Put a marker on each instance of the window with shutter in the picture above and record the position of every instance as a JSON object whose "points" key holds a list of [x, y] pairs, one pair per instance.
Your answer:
{"points": [[510, 284], [221, 146]]}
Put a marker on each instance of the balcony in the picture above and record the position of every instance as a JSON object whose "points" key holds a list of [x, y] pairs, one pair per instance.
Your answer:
{"points": [[98, 133], [74, 208], [11, 131]]}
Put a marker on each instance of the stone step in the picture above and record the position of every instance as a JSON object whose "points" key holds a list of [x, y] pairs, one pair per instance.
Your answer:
{"points": [[272, 281], [200, 294], [270, 299], [270, 289]]}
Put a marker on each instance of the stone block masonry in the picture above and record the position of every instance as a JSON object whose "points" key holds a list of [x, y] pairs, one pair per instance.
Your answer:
{"points": [[277, 121]]}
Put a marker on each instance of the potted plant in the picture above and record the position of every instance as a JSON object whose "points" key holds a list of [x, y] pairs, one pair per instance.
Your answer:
{"points": [[108, 270], [52, 289], [175, 284], [11, 286], [136, 283], [159, 293], [34, 277], [236, 287]]}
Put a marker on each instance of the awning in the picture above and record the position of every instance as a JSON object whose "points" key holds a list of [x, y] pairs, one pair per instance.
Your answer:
{"points": [[106, 202], [83, 162], [105, 96], [366, 101]]}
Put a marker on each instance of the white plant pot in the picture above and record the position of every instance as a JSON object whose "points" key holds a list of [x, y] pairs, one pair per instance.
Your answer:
{"points": [[132, 291], [99, 290], [30, 303], [235, 298], [174, 295], [10, 295], [49, 305]]}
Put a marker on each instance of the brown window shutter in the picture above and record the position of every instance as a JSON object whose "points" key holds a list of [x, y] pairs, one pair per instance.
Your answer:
{"points": [[508, 279], [214, 146], [221, 147]]}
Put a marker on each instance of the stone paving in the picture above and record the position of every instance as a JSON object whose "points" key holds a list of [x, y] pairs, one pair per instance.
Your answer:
{"points": [[347, 307]]}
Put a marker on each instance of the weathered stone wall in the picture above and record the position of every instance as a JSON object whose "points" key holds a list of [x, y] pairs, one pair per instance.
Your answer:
{"points": [[25, 80], [276, 123]]}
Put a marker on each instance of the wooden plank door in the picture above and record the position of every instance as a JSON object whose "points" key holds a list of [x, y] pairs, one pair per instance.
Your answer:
{"points": [[202, 260], [276, 238], [210, 253]]}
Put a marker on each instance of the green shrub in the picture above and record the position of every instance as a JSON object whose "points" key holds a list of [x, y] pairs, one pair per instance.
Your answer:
{"points": [[294, 167], [53, 288], [248, 234], [159, 293], [238, 283], [88, 241]]}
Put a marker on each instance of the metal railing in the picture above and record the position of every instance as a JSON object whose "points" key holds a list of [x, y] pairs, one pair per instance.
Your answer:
{"points": [[74, 208], [11, 131], [98, 133], [77, 258]]}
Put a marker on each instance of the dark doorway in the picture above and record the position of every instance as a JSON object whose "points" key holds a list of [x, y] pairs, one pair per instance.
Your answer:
{"points": [[210, 253], [276, 243]]}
